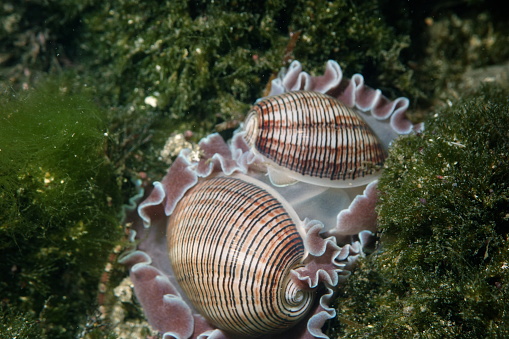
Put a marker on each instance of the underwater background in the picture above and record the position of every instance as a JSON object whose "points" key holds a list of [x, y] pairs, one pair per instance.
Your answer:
{"points": [[98, 97]]}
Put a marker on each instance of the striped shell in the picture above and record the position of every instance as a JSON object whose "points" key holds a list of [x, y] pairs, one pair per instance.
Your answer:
{"points": [[232, 245], [312, 137]]}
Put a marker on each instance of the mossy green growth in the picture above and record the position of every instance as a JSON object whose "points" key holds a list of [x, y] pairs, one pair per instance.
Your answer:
{"points": [[442, 269], [59, 202], [202, 62], [14, 324], [199, 63], [359, 37]]}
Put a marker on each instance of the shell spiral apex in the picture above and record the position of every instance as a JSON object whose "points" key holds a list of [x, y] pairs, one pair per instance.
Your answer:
{"points": [[232, 246]]}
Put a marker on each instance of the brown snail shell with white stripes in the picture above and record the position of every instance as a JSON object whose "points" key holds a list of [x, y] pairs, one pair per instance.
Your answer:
{"points": [[239, 261], [312, 137], [233, 243]]}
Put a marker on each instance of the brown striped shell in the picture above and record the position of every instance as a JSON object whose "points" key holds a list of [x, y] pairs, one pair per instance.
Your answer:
{"points": [[232, 244], [312, 137]]}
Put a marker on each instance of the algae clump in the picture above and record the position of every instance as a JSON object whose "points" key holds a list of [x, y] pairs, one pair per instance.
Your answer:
{"points": [[59, 205], [442, 270], [204, 62]]}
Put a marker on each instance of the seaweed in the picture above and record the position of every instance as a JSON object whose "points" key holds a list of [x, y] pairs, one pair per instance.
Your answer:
{"points": [[203, 62], [441, 269], [59, 204]]}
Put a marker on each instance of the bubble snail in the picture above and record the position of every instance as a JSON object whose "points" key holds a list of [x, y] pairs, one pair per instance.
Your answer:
{"points": [[253, 239]]}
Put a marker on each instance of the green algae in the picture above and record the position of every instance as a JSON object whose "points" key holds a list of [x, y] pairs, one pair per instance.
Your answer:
{"points": [[442, 268], [59, 204], [18, 325], [359, 38], [205, 62]]}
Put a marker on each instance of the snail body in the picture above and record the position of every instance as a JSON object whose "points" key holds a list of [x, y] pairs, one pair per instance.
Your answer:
{"points": [[237, 260], [232, 243], [312, 137]]}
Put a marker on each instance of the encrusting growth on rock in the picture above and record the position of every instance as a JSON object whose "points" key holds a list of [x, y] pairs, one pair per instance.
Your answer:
{"points": [[442, 267]]}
